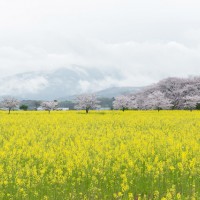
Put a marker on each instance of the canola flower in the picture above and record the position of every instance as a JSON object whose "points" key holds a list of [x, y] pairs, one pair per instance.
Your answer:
{"points": [[103, 155]]}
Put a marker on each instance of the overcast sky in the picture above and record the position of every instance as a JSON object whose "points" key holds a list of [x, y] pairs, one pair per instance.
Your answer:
{"points": [[145, 40]]}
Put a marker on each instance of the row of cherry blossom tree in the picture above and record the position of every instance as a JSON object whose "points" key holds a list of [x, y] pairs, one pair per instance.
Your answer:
{"points": [[171, 93], [85, 101], [11, 103]]}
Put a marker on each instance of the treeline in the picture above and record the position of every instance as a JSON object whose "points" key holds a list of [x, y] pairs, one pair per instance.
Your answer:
{"points": [[105, 103], [170, 93]]}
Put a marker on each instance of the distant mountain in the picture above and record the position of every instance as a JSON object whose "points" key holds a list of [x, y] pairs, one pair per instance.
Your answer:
{"points": [[63, 83], [109, 92], [116, 91]]}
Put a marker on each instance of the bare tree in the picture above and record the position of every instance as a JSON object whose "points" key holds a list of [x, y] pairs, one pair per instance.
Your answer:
{"points": [[10, 103], [86, 102]]}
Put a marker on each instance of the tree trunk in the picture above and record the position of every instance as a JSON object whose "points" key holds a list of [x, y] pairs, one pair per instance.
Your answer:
{"points": [[123, 109], [9, 111], [86, 111], [49, 111]]}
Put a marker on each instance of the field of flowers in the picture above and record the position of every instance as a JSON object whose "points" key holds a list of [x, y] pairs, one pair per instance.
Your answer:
{"points": [[101, 155]]}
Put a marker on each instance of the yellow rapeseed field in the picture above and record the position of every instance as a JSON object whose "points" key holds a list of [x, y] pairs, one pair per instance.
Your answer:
{"points": [[101, 155]]}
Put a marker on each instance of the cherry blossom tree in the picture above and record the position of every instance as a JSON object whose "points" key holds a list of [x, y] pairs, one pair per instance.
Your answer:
{"points": [[10, 103], [191, 102], [177, 89], [122, 103], [133, 103], [86, 102], [180, 92], [49, 105], [138, 100], [158, 101]]}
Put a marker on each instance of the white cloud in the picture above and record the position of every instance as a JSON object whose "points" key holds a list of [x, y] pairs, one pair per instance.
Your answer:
{"points": [[139, 62], [144, 41], [22, 85], [84, 85]]}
